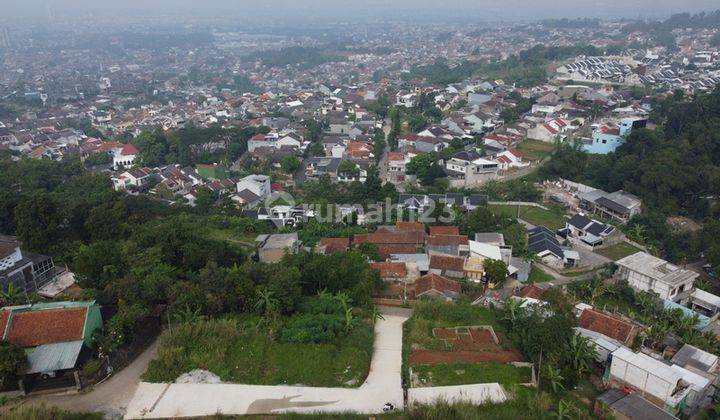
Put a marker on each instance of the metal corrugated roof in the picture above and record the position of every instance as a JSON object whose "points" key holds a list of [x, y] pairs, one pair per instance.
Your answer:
{"points": [[52, 357]]}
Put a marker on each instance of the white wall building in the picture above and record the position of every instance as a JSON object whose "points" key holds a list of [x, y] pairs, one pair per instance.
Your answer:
{"points": [[647, 273]]}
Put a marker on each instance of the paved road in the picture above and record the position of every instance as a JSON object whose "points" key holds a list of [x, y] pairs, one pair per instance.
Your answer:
{"points": [[110, 397], [383, 384]]}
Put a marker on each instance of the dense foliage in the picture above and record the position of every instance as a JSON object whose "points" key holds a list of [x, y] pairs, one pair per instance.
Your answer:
{"points": [[674, 169]]}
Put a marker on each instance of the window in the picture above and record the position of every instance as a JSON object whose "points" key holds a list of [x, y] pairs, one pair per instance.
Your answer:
{"points": [[604, 141], [682, 287]]}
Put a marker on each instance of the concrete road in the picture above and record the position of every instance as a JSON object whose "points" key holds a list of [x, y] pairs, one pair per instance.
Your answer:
{"points": [[383, 384], [110, 397]]}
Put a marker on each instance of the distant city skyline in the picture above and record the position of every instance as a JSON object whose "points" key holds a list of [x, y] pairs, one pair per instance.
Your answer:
{"points": [[299, 10]]}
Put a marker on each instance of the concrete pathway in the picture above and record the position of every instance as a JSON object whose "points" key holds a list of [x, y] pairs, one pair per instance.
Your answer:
{"points": [[383, 385]]}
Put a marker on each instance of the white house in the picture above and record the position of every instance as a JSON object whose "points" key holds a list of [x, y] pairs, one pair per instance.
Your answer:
{"points": [[125, 157], [257, 184], [647, 273], [133, 177]]}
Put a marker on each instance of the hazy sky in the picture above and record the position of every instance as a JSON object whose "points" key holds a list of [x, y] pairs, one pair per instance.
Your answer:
{"points": [[347, 10]]}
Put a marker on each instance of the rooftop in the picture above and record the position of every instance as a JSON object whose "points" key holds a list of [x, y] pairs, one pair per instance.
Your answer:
{"points": [[656, 268]]}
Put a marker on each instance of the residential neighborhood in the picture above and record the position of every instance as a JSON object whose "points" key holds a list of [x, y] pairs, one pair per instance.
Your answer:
{"points": [[399, 211]]}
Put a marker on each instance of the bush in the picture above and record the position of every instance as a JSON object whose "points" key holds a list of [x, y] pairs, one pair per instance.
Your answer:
{"points": [[91, 368], [312, 328]]}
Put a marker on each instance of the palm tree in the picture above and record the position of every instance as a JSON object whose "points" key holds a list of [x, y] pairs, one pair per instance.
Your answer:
{"points": [[583, 353], [349, 319], [186, 315], [597, 289], [646, 302], [265, 303], [344, 299], [638, 232], [555, 378], [564, 411], [512, 310], [11, 295]]}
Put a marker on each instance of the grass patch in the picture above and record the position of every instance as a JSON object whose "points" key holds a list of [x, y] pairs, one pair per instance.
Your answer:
{"points": [[577, 273], [552, 219], [429, 315], [239, 352], [28, 412], [535, 150], [539, 276], [478, 373], [618, 251]]}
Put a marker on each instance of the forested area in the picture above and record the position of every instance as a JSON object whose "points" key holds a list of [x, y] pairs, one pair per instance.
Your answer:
{"points": [[133, 253], [192, 145], [674, 169]]}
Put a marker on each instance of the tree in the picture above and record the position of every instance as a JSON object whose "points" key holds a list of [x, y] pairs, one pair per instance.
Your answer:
{"points": [[39, 219], [496, 271], [266, 302], [417, 123], [290, 164], [554, 378], [479, 220], [12, 360], [582, 353], [348, 168], [205, 199], [12, 295]]}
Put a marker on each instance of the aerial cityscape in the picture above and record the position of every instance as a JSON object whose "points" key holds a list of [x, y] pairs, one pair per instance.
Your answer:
{"points": [[377, 210]]}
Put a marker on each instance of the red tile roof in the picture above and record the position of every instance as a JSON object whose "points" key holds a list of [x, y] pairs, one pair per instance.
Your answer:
{"points": [[444, 230], [447, 240], [34, 328], [433, 281], [605, 324], [446, 262], [530, 291], [385, 237], [334, 245], [390, 269], [129, 150], [410, 226], [397, 156]]}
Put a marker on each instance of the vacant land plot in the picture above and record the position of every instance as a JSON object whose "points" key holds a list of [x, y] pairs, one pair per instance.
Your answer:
{"points": [[535, 150], [618, 251], [441, 333], [551, 219], [464, 373], [457, 344], [238, 351]]}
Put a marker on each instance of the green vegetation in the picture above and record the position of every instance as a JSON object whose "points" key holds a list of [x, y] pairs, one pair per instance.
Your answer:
{"points": [[314, 347], [646, 309], [30, 412], [535, 150], [429, 315], [133, 253], [185, 146], [12, 360], [479, 373], [539, 276], [551, 219], [652, 164], [617, 251]]}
